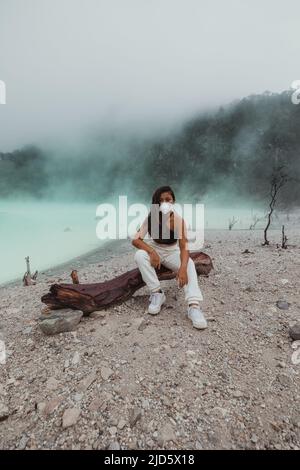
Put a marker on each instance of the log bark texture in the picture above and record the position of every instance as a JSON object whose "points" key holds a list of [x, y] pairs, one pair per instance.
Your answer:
{"points": [[97, 296]]}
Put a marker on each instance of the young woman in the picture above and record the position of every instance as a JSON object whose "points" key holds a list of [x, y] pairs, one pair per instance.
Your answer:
{"points": [[167, 246]]}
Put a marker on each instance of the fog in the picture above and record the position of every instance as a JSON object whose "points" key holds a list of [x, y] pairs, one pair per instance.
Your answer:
{"points": [[72, 67], [101, 92]]}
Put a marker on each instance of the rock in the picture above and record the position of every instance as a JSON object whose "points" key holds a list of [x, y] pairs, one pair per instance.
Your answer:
{"points": [[70, 417], [4, 412], [51, 405], [237, 394], [254, 438], [294, 331], [284, 380], [52, 383], [134, 416], [76, 359], [113, 430], [106, 373], [27, 330], [59, 321], [296, 344], [296, 357], [86, 382], [114, 446], [166, 434], [282, 304], [121, 423], [281, 364], [22, 443]]}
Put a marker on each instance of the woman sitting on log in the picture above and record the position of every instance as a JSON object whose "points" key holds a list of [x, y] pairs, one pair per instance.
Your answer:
{"points": [[167, 246]]}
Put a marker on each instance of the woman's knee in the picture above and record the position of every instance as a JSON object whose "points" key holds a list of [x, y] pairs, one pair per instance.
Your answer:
{"points": [[141, 256]]}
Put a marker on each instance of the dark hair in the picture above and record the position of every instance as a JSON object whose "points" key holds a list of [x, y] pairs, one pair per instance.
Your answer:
{"points": [[158, 192], [157, 217]]}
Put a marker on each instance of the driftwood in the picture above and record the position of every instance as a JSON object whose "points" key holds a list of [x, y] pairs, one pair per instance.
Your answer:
{"points": [[91, 297], [28, 278], [74, 276]]}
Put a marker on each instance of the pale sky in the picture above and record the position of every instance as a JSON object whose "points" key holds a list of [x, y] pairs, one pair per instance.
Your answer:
{"points": [[72, 66]]}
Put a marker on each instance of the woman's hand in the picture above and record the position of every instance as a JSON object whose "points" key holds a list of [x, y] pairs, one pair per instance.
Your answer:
{"points": [[182, 277], [154, 259]]}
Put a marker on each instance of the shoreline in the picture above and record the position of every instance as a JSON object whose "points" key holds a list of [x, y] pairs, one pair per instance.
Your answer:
{"points": [[103, 253], [78, 262]]}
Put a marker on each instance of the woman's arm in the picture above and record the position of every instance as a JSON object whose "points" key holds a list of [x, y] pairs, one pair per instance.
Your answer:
{"points": [[184, 254], [140, 244]]}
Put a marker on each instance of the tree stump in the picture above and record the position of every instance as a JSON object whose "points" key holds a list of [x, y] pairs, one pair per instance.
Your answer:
{"points": [[97, 296]]}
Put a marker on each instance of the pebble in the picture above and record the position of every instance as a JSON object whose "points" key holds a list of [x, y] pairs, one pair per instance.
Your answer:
{"points": [[70, 417], [4, 412], [282, 304], [114, 446], [76, 358], [52, 383], [121, 423], [294, 332], [134, 416], [166, 434], [106, 373]]}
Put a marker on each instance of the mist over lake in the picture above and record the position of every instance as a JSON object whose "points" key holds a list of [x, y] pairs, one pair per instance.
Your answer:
{"points": [[51, 233]]}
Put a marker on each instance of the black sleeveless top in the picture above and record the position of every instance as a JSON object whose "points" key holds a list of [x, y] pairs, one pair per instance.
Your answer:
{"points": [[166, 236]]}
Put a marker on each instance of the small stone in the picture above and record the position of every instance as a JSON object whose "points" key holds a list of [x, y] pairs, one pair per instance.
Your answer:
{"points": [[284, 380], [106, 373], [86, 382], [59, 321], [78, 397], [27, 330], [237, 394], [282, 304], [113, 430], [294, 331], [70, 417], [22, 443], [121, 423], [254, 438], [52, 383], [76, 359], [114, 446], [296, 357], [134, 416], [4, 412], [51, 405], [166, 434]]}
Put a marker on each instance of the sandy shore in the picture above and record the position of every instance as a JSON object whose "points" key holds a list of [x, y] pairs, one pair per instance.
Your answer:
{"points": [[131, 380]]}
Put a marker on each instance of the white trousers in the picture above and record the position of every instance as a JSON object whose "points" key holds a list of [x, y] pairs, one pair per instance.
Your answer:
{"points": [[170, 258]]}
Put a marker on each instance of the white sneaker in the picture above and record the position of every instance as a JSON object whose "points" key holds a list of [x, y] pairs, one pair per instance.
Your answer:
{"points": [[198, 319], [156, 301]]}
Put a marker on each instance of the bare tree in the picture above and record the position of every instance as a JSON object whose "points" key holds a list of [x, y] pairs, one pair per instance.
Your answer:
{"points": [[232, 222], [284, 239], [255, 220], [278, 180]]}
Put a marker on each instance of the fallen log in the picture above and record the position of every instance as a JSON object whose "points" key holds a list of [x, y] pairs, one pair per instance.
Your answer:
{"points": [[100, 295]]}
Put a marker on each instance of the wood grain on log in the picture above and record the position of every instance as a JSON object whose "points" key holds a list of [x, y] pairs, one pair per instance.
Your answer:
{"points": [[96, 296]]}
